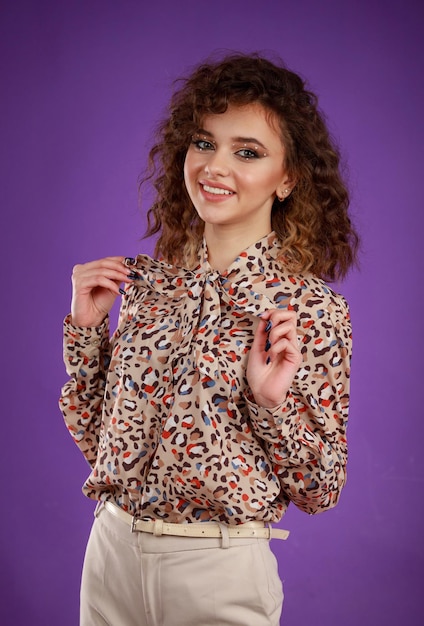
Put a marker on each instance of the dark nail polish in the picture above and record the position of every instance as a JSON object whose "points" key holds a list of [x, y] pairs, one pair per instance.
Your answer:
{"points": [[129, 260], [268, 326], [268, 361], [267, 345], [132, 275], [122, 291]]}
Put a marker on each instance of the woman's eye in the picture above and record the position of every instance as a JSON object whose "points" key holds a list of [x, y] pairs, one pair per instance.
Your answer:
{"points": [[202, 144], [247, 154]]}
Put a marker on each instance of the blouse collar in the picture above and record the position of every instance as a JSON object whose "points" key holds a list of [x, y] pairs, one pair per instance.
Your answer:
{"points": [[249, 285]]}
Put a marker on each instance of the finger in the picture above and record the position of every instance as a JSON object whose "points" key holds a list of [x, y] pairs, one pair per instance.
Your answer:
{"points": [[88, 277], [100, 265], [284, 345], [282, 339], [283, 329], [278, 321], [101, 282], [261, 334], [275, 316], [285, 350], [90, 280], [273, 324]]}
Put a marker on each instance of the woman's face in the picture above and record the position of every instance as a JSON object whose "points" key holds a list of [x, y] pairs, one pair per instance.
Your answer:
{"points": [[234, 168]]}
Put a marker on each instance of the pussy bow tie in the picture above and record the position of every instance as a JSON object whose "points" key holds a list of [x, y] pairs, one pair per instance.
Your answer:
{"points": [[201, 292]]}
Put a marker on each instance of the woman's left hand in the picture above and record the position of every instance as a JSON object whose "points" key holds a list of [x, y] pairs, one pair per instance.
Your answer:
{"points": [[274, 357]]}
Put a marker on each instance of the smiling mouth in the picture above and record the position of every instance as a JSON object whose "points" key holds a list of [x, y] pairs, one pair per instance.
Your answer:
{"points": [[218, 191]]}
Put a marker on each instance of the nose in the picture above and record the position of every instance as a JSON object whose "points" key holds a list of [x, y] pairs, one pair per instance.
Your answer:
{"points": [[217, 164]]}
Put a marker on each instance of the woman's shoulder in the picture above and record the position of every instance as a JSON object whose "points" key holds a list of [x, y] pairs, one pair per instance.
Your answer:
{"points": [[314, 301]]}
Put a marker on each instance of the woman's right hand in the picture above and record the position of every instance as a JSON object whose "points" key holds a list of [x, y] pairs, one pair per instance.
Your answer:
{"points": [[95, 286]]}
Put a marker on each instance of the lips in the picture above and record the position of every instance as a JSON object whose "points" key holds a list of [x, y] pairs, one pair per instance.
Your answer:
{"points": [[216, 190]]}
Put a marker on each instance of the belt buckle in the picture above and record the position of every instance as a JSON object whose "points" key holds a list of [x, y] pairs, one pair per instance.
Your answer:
{"points": [[134, 523]]}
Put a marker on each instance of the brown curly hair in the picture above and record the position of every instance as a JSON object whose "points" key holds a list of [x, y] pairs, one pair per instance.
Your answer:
{"points": [[312, 224]]}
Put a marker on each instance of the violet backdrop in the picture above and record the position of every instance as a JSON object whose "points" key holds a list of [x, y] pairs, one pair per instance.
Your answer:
{"points": [[82, 85]]}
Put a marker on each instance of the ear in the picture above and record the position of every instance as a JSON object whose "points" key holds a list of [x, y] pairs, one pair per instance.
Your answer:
{"points": [[284, 189]]}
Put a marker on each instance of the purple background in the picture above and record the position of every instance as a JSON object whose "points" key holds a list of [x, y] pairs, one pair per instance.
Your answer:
{"points": [[82, 85]]}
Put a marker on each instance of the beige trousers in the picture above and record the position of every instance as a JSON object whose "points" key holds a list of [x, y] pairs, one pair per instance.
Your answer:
{"points": [[137, 579]]}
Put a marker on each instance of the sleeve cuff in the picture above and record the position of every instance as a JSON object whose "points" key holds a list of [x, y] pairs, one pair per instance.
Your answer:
{"points": [[277, 422], [90, 340]]}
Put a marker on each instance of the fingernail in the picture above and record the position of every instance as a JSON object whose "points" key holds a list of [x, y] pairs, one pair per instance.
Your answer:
{"points": [[121, 291], [129, 260], [268, 326], [132, 275], [267, 345], [268, 361]]}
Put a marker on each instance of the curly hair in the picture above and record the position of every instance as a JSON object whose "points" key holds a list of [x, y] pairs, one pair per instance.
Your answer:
{"points": [[312, 224]]}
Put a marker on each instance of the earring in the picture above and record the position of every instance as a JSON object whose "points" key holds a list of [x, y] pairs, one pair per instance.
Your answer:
{"points": [[285, 194]]}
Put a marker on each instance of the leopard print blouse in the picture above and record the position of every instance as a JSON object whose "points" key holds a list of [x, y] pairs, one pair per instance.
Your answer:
{"points": [[162, 410]]}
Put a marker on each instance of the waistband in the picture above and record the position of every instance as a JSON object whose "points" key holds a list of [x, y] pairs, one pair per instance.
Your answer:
{"points": [[203, 529]]}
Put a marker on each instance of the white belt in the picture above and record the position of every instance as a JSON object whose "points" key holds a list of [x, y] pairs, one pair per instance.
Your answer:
{"points": [[204, 529]]}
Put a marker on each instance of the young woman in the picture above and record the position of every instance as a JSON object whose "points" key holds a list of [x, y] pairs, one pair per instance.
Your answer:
{"points": [[223, 394]]}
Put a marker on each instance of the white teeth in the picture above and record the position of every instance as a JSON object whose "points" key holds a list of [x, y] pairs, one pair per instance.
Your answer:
{"points": [[217, 190]]}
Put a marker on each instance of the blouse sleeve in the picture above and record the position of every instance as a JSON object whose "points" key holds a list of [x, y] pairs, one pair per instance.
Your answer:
{"points": [[86, 353], [305, 437]]}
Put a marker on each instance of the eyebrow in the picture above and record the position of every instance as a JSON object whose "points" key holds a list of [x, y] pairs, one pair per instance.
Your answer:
{"points": [[202, 131], [249, 140]]}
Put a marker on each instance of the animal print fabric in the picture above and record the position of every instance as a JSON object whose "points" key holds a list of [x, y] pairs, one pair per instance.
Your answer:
{"points": [[163, 413]]}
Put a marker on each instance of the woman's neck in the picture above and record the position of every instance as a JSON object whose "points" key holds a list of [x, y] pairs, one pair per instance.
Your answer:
{"points": [[225, 246]]}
